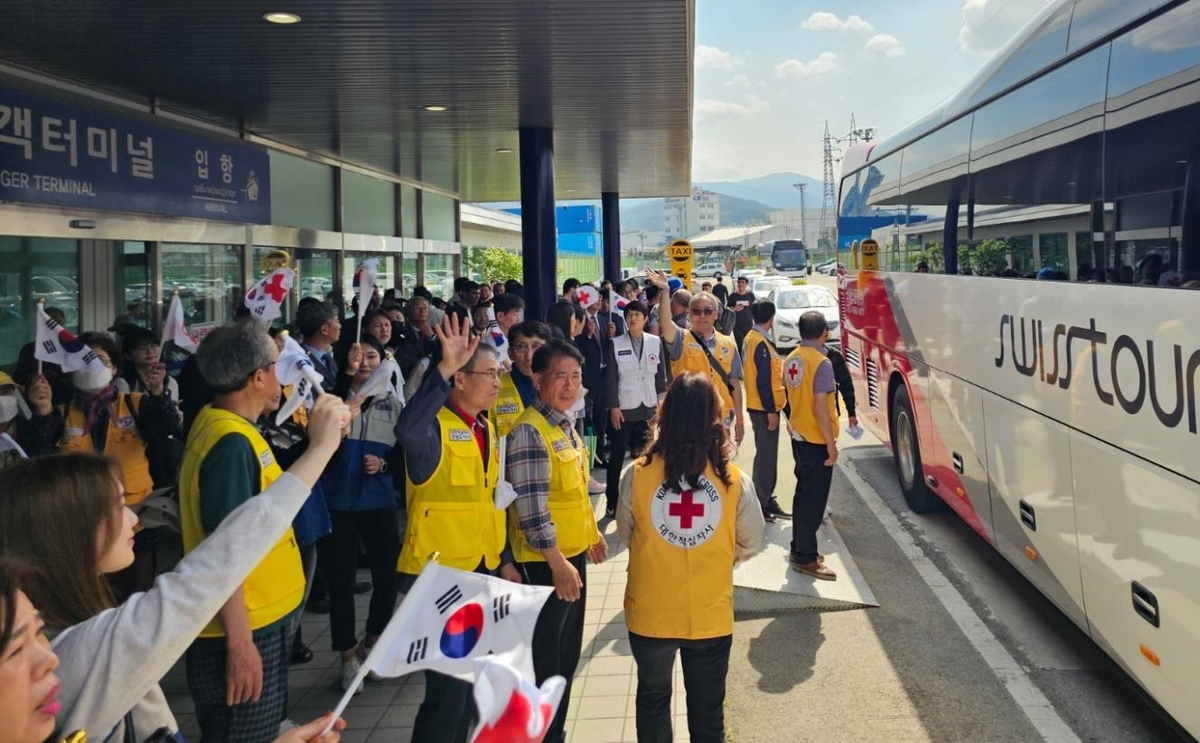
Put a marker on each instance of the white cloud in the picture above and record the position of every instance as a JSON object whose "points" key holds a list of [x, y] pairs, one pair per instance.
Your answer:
{"points": [[738, 81], [826, 21], [709, 109], [825, 63], [712, 58], [886, 44], [988, 24]]}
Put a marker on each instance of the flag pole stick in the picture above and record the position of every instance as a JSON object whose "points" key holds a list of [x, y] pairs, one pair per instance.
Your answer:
{"points": [[38, 318]]}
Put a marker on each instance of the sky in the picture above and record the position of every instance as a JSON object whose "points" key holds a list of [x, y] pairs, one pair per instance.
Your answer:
{"points": [[769, 73]]}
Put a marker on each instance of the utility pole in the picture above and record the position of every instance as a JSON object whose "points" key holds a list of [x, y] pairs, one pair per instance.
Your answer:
{"points": [[800, 187], [829, 194]]}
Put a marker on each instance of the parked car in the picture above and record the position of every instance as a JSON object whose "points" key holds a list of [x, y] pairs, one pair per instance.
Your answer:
{"points": [[762, 286], [828, 268], [712, 268], [793, 301]]}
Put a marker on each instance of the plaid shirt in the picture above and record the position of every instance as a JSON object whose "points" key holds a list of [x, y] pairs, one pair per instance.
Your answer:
{"points": [[528, 471]]}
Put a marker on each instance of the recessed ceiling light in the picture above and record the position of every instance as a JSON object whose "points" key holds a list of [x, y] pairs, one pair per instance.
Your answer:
{"points": [[503, 151], [436, 108], [284, 19]]}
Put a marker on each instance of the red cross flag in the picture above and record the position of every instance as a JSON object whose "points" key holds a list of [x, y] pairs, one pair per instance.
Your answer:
{"points": [[265, 299], [587, 295], [686, 516], [793, 371], [511, 708]]}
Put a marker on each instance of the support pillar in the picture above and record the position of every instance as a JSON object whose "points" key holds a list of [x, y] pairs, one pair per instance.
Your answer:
{"points": [[610, 205], [539, 237]]}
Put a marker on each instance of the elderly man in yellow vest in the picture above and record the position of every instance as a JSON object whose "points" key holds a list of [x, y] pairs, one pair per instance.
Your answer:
{"points": [[452, 465], [237, 668], [704, 350], [688, 515], [552, 527], [813, 423]]}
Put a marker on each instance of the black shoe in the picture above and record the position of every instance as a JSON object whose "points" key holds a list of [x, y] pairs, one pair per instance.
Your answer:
{"points": [[318, 604], [777, 511], [768, 517], [301, 654], [361, 587]]}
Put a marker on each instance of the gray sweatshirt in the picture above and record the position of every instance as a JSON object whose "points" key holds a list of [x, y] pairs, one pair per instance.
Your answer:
{"points": [[112, 663]]}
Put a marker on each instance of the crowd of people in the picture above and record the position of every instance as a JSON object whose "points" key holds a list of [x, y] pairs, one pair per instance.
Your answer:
{"points": [[277, 515]]}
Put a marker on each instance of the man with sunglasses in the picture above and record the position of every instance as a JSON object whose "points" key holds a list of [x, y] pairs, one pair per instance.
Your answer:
{"points": [[702, 349]]}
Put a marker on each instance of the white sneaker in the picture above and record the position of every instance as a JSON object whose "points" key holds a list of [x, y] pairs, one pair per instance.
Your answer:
{"points": [[350, 669], [595, 487], [362, 651]]}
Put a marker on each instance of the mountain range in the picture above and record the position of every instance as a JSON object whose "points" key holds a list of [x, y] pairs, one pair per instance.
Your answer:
{"points": [[742, 202]]}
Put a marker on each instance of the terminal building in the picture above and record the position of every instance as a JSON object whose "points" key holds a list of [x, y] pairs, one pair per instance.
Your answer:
{"points": [[147, 150]]}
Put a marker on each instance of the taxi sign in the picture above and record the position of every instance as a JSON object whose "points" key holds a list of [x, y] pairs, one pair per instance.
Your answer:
{"points": [[682, 256], [870, 255]]}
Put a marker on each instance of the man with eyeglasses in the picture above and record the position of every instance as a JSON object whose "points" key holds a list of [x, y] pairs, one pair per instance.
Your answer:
{"points": [[516, 385], [552, 529], [704, 350], [453, 464]]}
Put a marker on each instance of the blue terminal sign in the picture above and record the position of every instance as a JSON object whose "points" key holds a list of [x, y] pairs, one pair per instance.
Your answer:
{"points": [[62, 154]]}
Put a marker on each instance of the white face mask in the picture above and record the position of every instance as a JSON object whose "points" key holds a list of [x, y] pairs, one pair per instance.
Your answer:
{"points": [[9, 408], [93, 379]]}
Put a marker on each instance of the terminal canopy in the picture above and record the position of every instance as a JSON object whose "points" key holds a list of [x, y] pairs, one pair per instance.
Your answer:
{"points": [[353, 80]]}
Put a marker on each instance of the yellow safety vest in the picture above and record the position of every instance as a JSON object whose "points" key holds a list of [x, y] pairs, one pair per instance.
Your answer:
{"points": [[754, 339], [695, 360], [799, 374], [123, 443], [681, 555], [454, 512], [509, 406], [568, 500], [276, 586]]}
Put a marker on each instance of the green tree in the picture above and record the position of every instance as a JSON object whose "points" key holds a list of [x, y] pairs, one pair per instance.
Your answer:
{"points": [[989, 257], [931, 254], [494, 264]]}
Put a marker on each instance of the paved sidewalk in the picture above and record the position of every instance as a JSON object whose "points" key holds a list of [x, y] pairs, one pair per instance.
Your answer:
{"points": [[602, 698]]}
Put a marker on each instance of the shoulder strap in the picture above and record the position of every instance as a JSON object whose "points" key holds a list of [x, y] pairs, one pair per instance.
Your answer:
{"points": [[712, 361]]}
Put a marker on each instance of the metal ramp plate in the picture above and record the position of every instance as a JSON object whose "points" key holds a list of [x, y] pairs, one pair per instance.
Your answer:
{"points": [[767, 583]]}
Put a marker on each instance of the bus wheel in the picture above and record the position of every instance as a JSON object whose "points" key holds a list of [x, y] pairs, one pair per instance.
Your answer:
{"points": [[907, 455]]}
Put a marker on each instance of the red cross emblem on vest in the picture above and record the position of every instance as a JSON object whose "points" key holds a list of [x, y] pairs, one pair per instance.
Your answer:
{"points": [[686, 509], [793, 370]]}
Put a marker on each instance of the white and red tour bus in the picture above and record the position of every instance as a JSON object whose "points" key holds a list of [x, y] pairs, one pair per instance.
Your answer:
{"points": [[1041, 377]]}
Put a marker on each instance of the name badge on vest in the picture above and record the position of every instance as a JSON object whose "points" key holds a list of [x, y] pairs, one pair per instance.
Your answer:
{"points": [[507, 408], [625, 353], [560, 445], [265, 459], [72, 433], [685, 517], [460, 434], [125, 422], [383, 405]]}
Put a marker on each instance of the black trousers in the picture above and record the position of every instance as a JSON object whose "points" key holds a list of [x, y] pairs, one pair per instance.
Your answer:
{"points": [[705, 665], [448, 712], [338, 556], [557, 636], [813, 479], [631, 436]]}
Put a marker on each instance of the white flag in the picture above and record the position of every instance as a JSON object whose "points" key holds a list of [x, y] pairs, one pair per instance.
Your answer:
{"points": [[493, 337], [364, 284], [512, 709], [386, 378], [616, 303], [56, 345], [8, 444], [295, 368], [174, 329], [265, 299]]}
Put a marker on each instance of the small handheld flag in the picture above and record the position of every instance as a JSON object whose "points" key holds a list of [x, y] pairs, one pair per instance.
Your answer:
{"points": [[364, 283], [587, 295], [493, 336], [616, 303], [58, 345], [295, 368], [265, 299], [512, 709], [174, 329]]}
